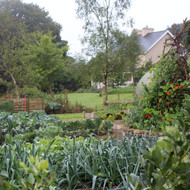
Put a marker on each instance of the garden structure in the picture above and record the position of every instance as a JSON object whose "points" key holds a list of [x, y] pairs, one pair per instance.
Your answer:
{"points": [[25, 104]]}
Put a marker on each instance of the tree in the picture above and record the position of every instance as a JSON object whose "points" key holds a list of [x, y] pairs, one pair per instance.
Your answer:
{"points": [[47, 58], [73, 76], [127, 49], [35, 18], [101, 19], [12, 40], [186, 38]]}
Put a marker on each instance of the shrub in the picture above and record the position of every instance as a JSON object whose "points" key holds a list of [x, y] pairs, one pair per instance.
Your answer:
{"points": [[167, 163], [163, 97], [32, 93], [7, 107]]}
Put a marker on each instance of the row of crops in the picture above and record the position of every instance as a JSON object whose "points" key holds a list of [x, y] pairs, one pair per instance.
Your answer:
{"points": [[38, 151]]}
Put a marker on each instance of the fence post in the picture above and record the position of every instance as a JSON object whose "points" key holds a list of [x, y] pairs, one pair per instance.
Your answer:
{"points": [[25, 102]]}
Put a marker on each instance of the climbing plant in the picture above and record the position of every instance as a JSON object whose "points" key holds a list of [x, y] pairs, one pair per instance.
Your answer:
{"points": [[164, 95]]}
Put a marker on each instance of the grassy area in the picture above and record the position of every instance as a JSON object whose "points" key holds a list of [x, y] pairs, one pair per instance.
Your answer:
{"points": [[70, 116], [121, 90], [93, 100]]}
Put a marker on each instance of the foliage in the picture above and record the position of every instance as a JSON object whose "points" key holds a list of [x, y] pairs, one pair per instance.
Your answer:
{"points": [[65, 106], [6, 107], [100, 21], [167, 164], [142, 70], [115, 116], [123, 90], [74, 76], [128, 50], [27, 127], [93, 100], [163, 97], [36, 174], [32, 92], [11, 49], [186, 38], [47, 58], [70, 116], [35, 18], [78, 163], [28, 20]]}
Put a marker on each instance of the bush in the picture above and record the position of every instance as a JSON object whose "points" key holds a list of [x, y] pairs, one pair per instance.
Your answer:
{"points": [[7, 107], [32, 93], [66, 106], [167, 163], [163, 97]]}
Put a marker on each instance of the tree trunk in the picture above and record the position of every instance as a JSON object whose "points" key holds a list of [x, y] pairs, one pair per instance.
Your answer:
{"points": [[15, 84], [133, 82], [51, 91], [106, 87]]}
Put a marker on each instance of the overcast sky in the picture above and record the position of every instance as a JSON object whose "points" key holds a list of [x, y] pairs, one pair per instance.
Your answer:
{"points": [[157, 14]]}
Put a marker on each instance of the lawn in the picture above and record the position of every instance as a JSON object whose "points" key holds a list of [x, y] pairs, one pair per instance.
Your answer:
{"points": [[70, 116], [94, 100]]}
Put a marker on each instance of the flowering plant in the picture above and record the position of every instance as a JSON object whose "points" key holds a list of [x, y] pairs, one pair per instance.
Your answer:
{"points": [[163, 97]]}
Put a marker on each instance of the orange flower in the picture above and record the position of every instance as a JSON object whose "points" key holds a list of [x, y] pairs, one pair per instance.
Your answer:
{"points": [[148, 85], [189, 79], [149, 116], [168, 103], [140, 97], [170, 120], [158, 104], [160, 99], [176, 87], [168, 93]]}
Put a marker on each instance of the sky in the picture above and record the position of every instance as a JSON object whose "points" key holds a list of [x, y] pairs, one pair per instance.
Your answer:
{"points": [[157, 14]]}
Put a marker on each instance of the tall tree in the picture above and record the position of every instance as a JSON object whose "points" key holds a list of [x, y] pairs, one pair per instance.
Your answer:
{"points": [[12, 40], [34, 17], [102, 17], [47, 58]]}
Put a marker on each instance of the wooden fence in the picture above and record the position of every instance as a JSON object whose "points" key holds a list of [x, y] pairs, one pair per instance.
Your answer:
{"points": [[29, 105], [20, 104], [2, 100], [36, 104]]}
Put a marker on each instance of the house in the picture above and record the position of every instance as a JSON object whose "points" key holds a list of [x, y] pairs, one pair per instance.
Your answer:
{"points": [[152, 44]]}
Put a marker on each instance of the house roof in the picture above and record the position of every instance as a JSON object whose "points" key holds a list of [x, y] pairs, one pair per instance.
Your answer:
{"points": [[148, 41]]}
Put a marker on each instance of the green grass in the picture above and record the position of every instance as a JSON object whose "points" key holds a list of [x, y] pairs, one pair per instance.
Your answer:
{"points": [[70, 116], [124, 90], [93, 100]]}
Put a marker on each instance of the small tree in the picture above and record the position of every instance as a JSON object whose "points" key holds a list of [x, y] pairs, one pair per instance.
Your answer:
{"points": [[101, 19], [47, 58], [127, 50]]}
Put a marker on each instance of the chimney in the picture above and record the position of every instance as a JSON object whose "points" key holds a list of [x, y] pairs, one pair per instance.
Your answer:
{"points": [[147, 30]]}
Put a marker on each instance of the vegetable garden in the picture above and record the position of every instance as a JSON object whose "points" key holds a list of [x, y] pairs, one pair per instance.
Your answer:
{"points": [[38, 151]]}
